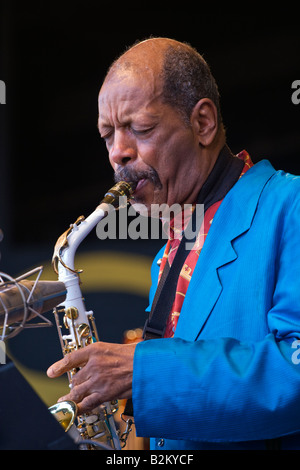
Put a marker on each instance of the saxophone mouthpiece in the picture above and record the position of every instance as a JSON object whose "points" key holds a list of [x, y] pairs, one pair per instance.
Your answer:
{"points": [[119, 190]]}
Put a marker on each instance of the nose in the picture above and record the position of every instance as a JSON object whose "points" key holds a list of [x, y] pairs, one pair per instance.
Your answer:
{"points": [[123, 149]]}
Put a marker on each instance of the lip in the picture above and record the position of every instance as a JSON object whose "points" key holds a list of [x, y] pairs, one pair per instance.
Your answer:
{"points": [[140, 185]]}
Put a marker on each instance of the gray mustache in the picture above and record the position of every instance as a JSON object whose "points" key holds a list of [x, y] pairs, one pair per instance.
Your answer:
{"points": [[131, 175]]}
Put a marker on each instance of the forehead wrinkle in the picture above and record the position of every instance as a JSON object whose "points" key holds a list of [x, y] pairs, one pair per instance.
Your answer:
{"points": [[110, 114], [132, 94]]}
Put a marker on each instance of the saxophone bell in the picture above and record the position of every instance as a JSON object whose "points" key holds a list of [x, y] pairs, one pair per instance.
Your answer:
{"points": [[65, 413]]}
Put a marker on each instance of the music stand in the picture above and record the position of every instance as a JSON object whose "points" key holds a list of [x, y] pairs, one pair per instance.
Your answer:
{"points": [[25, 421]]}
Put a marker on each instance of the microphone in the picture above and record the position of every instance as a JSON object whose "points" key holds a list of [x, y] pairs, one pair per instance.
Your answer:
{"points": [[22, 300], [39, 297]]}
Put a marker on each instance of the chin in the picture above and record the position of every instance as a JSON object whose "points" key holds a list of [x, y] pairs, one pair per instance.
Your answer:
{"points": [[141, 208], [147, 199]]}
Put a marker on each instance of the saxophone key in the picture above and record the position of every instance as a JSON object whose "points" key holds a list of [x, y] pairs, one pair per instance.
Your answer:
{"points": [[84, 330], [71, 313]]}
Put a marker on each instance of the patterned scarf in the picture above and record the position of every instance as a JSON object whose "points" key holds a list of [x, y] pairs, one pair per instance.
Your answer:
{"points": [[192, 258]]}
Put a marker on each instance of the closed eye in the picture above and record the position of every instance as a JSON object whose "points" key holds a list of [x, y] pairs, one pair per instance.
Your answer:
{"points": [[143, 131], [105, 134]]}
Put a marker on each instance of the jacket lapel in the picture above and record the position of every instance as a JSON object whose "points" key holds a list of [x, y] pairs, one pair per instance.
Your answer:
{"points": [[233, 218]]}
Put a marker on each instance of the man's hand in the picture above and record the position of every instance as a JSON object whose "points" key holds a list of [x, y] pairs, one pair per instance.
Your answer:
{"points": [[105, 374]]}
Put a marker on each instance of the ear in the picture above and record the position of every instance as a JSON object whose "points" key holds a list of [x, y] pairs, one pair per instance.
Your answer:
{"points": [[204, 120]]}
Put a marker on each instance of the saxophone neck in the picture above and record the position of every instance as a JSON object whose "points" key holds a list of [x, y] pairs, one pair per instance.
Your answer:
{"points": [[67, 244]]}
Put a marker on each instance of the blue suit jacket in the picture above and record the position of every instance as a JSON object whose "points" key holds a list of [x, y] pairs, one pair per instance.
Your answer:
{"points": [[230, 378]]}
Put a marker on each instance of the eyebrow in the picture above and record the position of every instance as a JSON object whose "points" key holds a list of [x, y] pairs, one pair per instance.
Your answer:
{"points": [[103, 125], [99, 117]]}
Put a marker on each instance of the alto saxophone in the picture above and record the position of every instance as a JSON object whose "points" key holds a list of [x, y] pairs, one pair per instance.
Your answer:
{"points": [[97, 429]]}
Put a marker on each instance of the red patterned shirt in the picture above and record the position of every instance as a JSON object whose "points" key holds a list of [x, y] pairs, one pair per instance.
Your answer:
{"points": [[192, 258]]}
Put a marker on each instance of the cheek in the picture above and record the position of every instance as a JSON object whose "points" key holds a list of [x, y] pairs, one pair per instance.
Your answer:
{"points": [[148, 159], [112, 164], [169, 153], [167, 160], [157, 153]]}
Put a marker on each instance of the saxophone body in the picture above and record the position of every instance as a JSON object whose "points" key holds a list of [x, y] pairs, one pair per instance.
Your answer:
{"points": [[97, 427]]}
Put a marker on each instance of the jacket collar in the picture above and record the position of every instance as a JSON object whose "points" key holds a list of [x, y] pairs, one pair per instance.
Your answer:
{"points": [[234, 216]]}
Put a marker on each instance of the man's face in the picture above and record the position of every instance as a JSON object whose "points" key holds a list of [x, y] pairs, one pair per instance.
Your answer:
{"points": [[147, 140]]}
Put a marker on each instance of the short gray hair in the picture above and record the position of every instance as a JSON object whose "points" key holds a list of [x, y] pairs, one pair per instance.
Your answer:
{"points": [[187, 79]]}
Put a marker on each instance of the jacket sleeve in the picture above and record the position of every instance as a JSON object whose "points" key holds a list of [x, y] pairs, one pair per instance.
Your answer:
{"points": [[225, 390]]}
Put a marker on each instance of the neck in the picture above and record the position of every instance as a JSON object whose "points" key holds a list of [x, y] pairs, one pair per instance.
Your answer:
{"points": [[222, 177], [210, 156]]}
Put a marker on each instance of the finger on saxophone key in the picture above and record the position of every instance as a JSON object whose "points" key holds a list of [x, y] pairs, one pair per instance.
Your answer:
{"points": [[54, 371], [59, 368], [64, 398], [69, 362]]}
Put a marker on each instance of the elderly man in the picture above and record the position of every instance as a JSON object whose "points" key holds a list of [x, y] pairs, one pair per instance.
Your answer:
{"points": [[223, 376]]}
